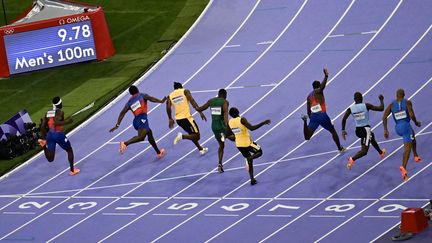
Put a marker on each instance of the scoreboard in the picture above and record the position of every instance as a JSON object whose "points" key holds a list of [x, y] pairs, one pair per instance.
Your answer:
{"points": [[54, 42]]}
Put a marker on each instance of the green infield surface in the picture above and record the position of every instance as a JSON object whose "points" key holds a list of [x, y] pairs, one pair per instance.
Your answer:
{"points": [[140, 29]]}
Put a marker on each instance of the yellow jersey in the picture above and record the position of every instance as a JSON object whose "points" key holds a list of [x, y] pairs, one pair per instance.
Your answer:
{"points": [[180, 103], [242, 137]]}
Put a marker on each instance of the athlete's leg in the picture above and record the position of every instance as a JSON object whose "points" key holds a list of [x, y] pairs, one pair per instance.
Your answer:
{"points": [[307, 132], [142, 133], [71, 158], [414, 147], [363, 151], [336, 139], [221, 151], [49, 154], [376, 145], [152, 141], [49, 147], [406, 154]]}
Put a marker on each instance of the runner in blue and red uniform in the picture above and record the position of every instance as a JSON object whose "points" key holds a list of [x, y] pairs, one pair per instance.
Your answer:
{"points": [[316, 111], [52, 131], [402, 112], [138, 105]]}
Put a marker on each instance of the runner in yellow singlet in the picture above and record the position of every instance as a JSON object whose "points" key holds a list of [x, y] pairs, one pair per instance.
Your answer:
{"points": [[180, 99], [248, 148]]}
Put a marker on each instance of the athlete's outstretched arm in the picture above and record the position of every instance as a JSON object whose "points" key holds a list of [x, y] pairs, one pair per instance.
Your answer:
{"points": [[168, 110], [377, 108], [203, 107], [345, 117], [254, 127], [155, 100], [324, 82], [411, 113], [120, 118], [194, 104], [384, 119]]}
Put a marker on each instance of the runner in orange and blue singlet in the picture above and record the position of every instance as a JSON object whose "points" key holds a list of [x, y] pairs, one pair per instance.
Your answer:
{"points": [[138, 105], [52, 131], [316, 111]]}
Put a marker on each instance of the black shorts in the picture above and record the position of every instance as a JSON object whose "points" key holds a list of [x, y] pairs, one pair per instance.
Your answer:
{"points": [[189, 125], [365, 134], [248, 151]]}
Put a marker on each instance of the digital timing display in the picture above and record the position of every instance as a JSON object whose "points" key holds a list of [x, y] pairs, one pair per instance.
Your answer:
{"points": [[50, 47]]}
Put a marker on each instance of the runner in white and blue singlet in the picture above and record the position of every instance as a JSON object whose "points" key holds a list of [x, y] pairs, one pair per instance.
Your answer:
{"points": [[360, 113]]}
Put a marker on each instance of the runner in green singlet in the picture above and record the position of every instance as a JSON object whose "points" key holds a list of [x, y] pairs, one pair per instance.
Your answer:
{"points": [[219, 111]]}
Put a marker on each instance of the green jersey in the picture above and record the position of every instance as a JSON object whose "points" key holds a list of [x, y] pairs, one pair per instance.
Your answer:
{"points": [[217, 112]]}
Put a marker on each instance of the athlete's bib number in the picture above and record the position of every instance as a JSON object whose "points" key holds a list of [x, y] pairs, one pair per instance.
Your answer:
{"points": [[236, 130], [135, 105], [51, 114], [316, 108], [178, 100], [216, 111], [400, 115], [359, 116]]}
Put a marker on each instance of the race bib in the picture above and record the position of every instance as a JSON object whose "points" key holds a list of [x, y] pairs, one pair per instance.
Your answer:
{"points": [[178, 100], [236, 130], [51, 114], [400, 115], [216, 111], [316, 108], [359, 116], [135, 105]]}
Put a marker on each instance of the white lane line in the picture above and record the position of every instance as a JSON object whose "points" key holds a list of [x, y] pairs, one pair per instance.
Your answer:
{"points": [[265, 43], [369, 32], [19, 213], [380, 216], [327, 216], [220, 215], [258, 101], [274, 215], [381, 235], [122, 96], [119, 214], [232, 46], [117, 143], [332, 36], [169, 214], [406, 199], [351, 34], [235, 87], [69, 213]]}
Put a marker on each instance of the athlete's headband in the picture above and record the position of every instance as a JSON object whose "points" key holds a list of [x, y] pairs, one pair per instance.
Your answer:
{"points": [[56, 104]]}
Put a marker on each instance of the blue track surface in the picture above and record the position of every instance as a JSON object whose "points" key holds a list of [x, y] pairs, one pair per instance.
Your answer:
{"points": [[266, 53]]}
